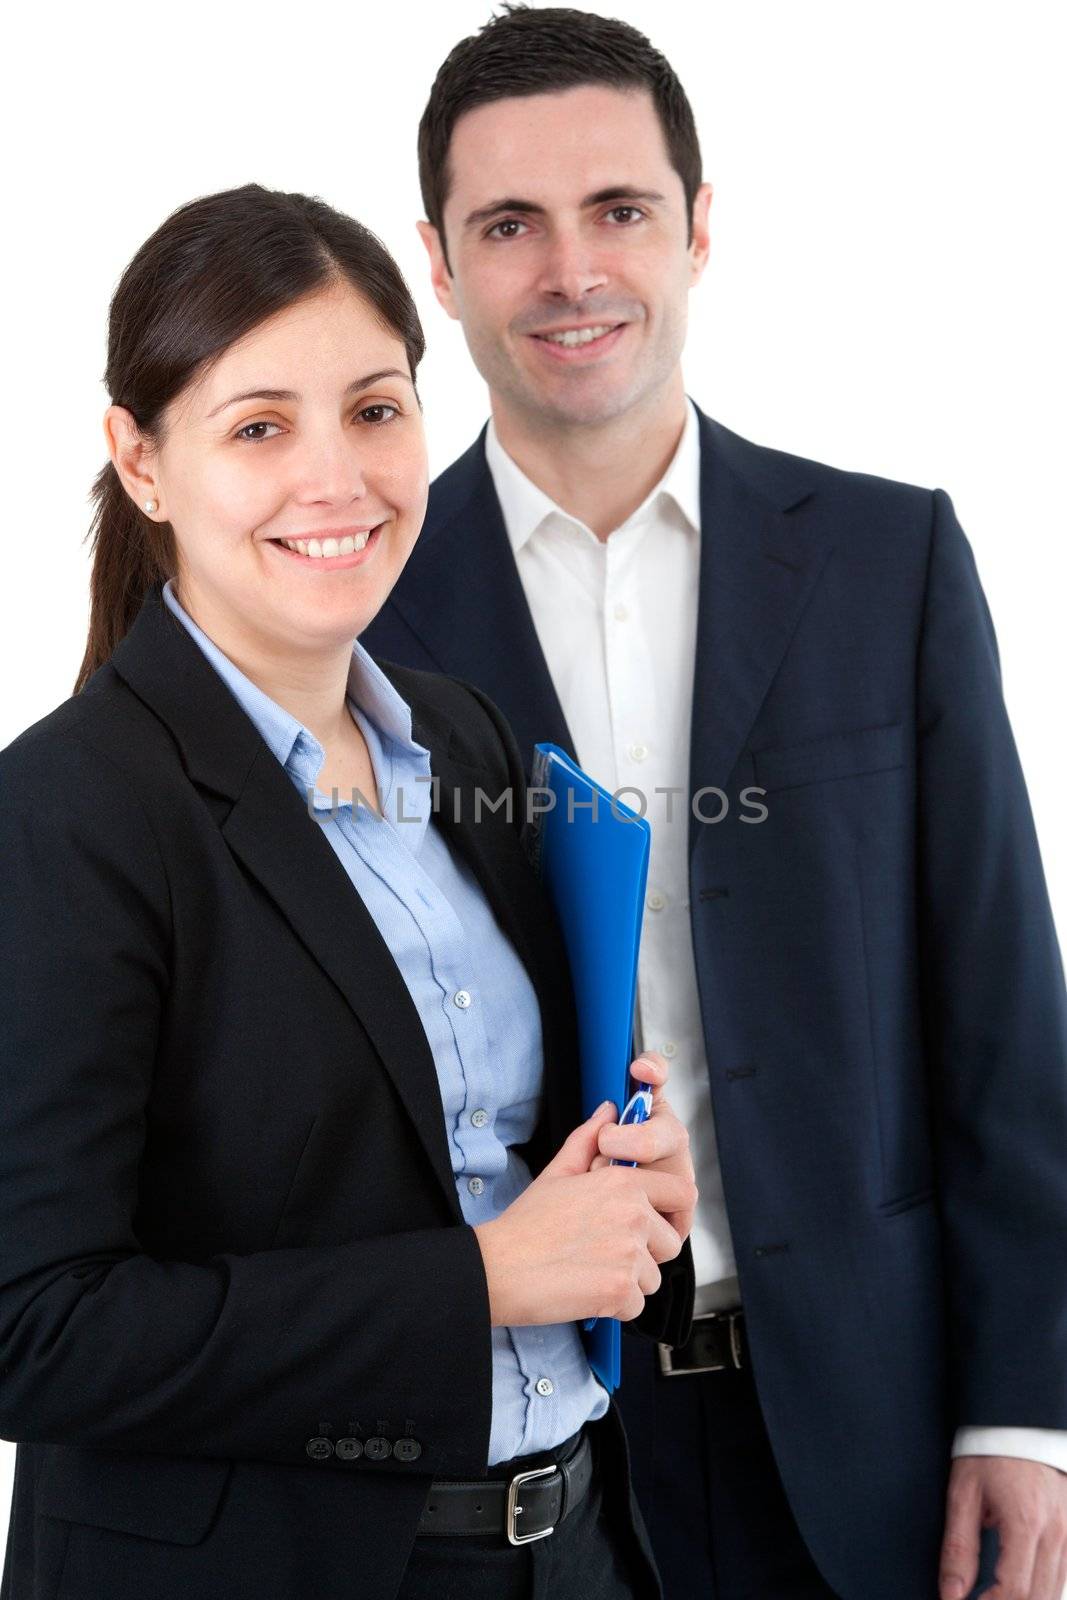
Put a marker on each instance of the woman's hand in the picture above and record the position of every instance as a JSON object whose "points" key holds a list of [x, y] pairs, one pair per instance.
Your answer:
{"points": [[585, 1238], [659, 1145]]}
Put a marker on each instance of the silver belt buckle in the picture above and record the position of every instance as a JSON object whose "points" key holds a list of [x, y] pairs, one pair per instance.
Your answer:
{"points": [[513, 1510], [666, 1351]]}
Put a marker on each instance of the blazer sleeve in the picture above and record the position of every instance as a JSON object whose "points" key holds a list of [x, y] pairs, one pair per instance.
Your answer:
{"points": [[102, 1344], [994, 1014], [667, 1314]]}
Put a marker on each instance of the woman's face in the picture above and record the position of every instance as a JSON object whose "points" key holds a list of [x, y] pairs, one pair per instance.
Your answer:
{"points": [[308, 429]]}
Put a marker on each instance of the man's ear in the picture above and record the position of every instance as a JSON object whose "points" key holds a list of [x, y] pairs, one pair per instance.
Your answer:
{"points": [[133, 459], [700, 247], [440, 276]]}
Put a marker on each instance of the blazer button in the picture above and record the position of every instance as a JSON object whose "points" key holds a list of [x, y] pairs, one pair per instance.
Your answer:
{"points": [[407, 1449], [319, 1448], [349, 1449], [377, 1449]]}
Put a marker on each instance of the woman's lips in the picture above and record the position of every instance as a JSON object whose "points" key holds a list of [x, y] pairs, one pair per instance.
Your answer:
{"points": [[332, 563]]}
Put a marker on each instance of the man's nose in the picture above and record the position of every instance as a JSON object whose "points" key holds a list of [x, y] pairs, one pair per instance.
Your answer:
{"points": [[571, 268]]}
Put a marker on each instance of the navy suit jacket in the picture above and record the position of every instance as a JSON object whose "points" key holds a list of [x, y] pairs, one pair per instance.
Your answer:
{"points": [[231, 1235], [881, 988]]}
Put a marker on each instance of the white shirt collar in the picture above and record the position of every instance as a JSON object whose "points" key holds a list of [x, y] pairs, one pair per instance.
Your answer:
{"points": [[526, 507]]}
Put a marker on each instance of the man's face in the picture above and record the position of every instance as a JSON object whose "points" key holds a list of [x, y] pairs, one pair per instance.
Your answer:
{"points": [[567, 237]]}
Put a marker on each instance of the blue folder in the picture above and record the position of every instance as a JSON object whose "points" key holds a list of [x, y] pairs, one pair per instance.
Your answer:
{"points": [[591, 853]]}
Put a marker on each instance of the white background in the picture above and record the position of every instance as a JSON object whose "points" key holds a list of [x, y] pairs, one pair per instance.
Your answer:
{"points": [[884, 292]]}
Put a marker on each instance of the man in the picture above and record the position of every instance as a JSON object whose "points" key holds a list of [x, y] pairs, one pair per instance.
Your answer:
{"points": [[860, 987]]}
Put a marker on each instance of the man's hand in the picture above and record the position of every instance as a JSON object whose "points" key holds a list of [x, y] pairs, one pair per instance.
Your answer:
{"points": [[659, 1145], [1026, 1502]]}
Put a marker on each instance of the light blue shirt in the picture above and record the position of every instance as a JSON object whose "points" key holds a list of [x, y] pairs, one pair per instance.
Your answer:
{"points": [[473, 995]]}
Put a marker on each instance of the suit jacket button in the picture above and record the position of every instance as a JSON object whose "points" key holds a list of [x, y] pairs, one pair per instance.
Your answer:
{"points": [[349, 1449], [319, 1449], [377, 1449], [407, 1449]]}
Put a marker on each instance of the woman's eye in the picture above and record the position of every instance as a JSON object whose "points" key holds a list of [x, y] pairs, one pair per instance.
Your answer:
{"points": [[375, 414], [508, 222], [251, 435]]}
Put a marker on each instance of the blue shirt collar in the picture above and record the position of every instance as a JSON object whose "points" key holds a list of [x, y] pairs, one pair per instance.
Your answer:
{"points": [[381, 712]]}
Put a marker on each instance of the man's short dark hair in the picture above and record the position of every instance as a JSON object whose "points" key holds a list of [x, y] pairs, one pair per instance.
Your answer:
{"points": [[541, 50]]}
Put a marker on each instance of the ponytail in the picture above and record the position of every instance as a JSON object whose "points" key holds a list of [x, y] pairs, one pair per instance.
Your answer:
{"points": [[130, 553]]}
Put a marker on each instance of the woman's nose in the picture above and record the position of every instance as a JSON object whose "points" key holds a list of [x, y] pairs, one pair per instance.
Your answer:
{"points": [[332, 470]]}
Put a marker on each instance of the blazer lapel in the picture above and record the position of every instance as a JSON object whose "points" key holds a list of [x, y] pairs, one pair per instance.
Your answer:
{"points": [[478, 625], [758, 567], [268, 829]]}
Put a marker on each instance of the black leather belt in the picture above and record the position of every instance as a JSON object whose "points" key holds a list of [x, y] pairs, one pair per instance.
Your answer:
{"points": [[524, 1506], [717, 1340]]}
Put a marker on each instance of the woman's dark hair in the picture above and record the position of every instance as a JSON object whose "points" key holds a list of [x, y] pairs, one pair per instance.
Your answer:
{"points": [[212, 272], [541, 50]]}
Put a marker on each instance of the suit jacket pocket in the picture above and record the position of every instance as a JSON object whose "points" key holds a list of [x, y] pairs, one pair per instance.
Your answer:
{"points": [[836, 755], [159, 1497]]}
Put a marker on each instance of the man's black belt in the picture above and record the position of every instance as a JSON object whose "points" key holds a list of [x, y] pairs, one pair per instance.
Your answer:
{"points": [[522, 1506], [717, 1340]]}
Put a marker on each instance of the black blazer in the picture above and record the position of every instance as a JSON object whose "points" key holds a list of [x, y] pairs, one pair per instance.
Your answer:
{"points": [[880, 983], [230, 1225]]}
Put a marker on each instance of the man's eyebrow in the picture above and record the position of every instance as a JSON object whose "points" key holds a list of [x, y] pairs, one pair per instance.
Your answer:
{"points": [[619, 192], [290, 394], [508, 203]]}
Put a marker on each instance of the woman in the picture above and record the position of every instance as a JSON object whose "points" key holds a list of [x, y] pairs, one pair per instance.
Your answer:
{"points": [[277, 1276]]}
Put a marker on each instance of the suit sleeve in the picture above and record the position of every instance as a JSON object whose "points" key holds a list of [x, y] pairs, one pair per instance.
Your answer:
{"points": [[668, 1313], [994, 1015], [101, 1343]]}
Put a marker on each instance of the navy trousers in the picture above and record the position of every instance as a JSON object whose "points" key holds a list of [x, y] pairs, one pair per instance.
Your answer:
{"points": [[712, 1499]]}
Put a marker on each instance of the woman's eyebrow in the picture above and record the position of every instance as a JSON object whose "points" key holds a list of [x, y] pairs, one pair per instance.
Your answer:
{"points": [[291, 394]]}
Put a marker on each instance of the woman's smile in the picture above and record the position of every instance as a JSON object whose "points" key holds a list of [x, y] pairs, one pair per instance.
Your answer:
{"points": [[334, 551]]}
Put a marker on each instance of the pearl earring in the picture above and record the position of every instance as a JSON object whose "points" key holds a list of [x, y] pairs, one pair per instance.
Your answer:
{"points": [[151, 505]]}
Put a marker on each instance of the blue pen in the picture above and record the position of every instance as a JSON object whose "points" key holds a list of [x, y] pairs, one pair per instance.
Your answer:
{"points": [[637, 1109]]}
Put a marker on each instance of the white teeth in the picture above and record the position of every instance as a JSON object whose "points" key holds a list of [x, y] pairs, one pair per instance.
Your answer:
{"points": [[329, 547], [575, 336]]}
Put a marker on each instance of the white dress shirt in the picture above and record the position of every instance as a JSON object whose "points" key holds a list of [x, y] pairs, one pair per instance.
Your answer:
{"points": [[617, 622]]}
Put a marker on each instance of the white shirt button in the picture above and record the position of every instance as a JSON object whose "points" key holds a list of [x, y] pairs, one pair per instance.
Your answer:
{"points": [[670, 1048], [476, 1185], [479, 1118], [621, 613], [656, 901], [545, 1386], [638, 752], [462, 999]]}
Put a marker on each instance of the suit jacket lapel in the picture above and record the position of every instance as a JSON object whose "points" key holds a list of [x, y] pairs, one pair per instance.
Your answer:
{"points": [[759, 564], [267, 827], [482, 628]]}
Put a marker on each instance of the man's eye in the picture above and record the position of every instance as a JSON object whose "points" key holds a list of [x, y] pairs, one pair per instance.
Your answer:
{"points": [[508, 222], [375, 414], [249, 433], [625, 212]]}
